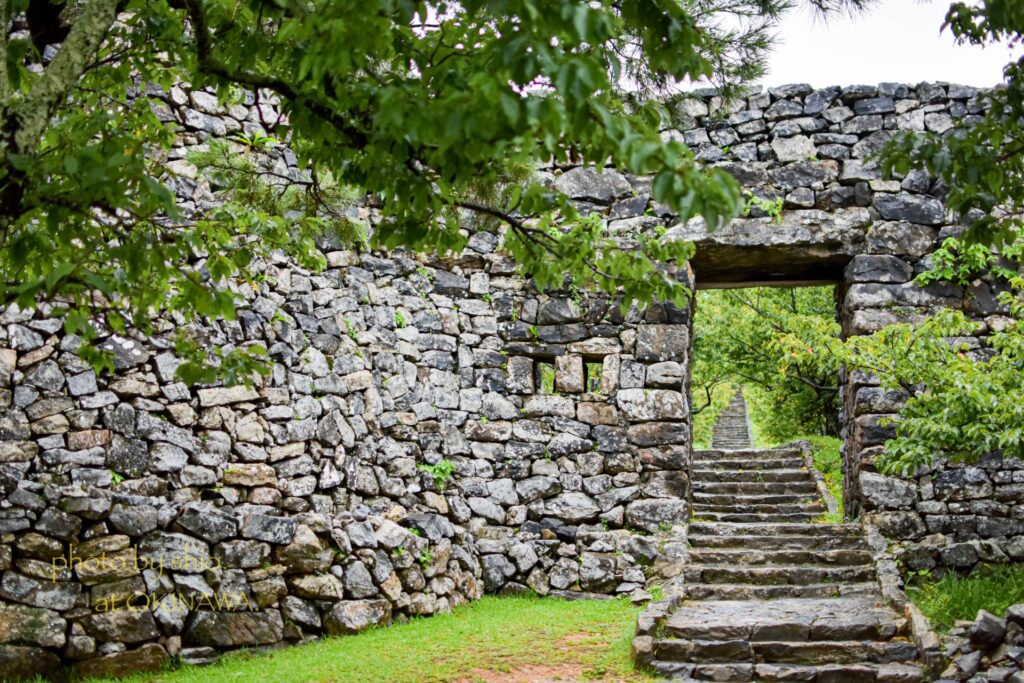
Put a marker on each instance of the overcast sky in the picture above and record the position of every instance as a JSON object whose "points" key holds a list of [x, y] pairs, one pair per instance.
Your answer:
{"points": [[896, 41]]}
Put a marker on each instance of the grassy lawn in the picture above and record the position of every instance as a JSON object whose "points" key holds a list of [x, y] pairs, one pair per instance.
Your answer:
{"points": [[492, 639], [991, 587]]}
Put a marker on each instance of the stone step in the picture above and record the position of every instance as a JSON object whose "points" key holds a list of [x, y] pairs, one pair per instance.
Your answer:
{"points": [[749, 556], [749, 454], [730, 498], [751, 488], [811, 505], [771, 518], [795, 620], [776, 475], [683, 672], [784, 652], [746, 591], [797, 575], [725, 529], [749, 543], [723, 464]]}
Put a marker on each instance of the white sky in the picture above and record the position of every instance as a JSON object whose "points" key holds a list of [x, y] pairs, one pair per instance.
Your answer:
{"points": [[895, 41]]}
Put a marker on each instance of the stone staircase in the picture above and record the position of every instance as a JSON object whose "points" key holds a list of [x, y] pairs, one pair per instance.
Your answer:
{"points": [[770, 596], [732, 428]]}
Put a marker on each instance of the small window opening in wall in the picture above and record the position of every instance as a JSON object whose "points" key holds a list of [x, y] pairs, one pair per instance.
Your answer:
{"points": [[594, 373], [544, 379]]}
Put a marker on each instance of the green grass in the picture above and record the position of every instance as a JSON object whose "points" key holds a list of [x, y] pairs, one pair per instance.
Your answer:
{"points": [[491, 634], [829, 462], [952, 598]]}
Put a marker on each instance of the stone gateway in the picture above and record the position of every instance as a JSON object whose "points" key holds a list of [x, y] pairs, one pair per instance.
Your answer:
{"points": [[433, 427]]}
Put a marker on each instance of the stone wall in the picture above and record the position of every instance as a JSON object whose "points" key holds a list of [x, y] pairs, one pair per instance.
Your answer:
{"points": [[142, 519], [843, 224], [316, 501]]}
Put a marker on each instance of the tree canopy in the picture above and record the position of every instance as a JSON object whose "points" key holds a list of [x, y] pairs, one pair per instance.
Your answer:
{"points": [[436, 111], [744, 337]]}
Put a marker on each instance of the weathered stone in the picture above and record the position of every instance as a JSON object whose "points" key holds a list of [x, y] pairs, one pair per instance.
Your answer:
{"points": [[569, 374], [644, 405], [988, 631], [963, 483], [795, 148], [305, 553], [535, 488], [650, 514], [887, 493], [353, 616], [122, 625], [27, 662], [221, 396], [572, 506], [868, 268], [21, 625], [657, 433], [234, 629], [261, 527], [589, 184], [662, 343], [433, 527], [912, 208], [496, 571], [48, 594], [208, 522], [250, 474], [519, 375], [175, 552]]}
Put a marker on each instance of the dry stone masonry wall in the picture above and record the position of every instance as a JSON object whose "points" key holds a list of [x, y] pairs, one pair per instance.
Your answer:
{"points": [[434, 428], [842, 223]]}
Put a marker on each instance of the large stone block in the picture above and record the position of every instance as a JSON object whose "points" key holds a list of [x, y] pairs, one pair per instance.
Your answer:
{"points": [[886, 493], [22, 625], [572, 506], [901, 525], [648, 405], [519, 375], [122, 625], [235, 629], [913, 208], [221, 396], [589, 184], [17, 663], [659, 433], [353, 616], [569, 374], [878, 268], [965, 483], [662, 342], [652, 514]]}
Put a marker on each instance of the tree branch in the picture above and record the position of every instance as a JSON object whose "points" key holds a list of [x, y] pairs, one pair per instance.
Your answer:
{"points": [[209, 64], [27, 120]]}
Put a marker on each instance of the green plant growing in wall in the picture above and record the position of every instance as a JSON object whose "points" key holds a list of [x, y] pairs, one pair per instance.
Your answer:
{"points": [[350, 330], [772, 207], [400, 320], [441, 472]]}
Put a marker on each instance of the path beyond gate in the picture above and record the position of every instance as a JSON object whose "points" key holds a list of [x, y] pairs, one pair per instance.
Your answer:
{"points": [[767, 594]]}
